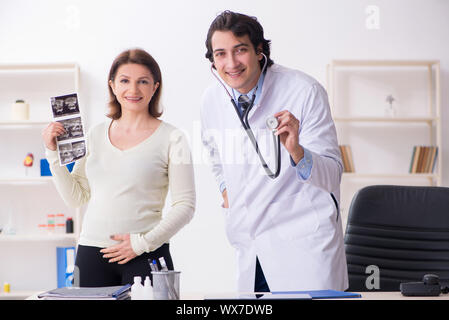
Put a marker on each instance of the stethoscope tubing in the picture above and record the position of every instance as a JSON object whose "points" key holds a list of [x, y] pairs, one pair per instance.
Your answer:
{"points": [[244, 121]]}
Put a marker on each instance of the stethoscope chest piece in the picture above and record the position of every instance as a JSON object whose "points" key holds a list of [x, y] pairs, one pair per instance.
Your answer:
{"points": [[272, 123]]}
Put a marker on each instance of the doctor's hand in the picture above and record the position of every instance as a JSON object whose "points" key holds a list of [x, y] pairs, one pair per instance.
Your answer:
{"points": [[122, 252], [225, 199], [288, 131]]}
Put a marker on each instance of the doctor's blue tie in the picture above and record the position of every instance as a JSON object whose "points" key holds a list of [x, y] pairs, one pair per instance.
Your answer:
{"points": [[244, 102]]}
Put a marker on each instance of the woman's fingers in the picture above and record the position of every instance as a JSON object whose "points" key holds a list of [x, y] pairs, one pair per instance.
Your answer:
{"points": [[118, 258], [49, 134], [58, 128], [121, 252], [124, 261]]}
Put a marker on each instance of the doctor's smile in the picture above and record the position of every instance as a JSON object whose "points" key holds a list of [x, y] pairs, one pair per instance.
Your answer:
{"points": [[235, 74]]}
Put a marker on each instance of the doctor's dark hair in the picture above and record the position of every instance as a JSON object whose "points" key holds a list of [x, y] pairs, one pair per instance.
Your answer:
{"points": [[137, 56], [240, 25]]}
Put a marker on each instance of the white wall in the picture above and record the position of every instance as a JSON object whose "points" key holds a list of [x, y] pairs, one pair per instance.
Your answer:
{"points": [[305, 35]]}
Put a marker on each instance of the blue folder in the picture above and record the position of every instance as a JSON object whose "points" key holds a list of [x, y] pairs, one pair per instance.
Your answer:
{"points": [[65, 265], [45, 168], [323, 294]]}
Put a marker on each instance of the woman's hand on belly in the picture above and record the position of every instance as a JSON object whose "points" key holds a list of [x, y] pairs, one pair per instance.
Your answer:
{"points": [[122, 252]]}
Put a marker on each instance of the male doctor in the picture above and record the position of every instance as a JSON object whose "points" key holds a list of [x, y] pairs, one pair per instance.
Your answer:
{"points": [[287, 231]]}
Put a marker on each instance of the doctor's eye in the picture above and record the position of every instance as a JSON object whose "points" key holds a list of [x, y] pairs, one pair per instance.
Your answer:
{"points": [[241, 50], [124, 81], [219, 54]]}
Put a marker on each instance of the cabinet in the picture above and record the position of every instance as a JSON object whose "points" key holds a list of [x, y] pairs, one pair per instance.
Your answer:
{"points": [[28, 254], [382, 109]]}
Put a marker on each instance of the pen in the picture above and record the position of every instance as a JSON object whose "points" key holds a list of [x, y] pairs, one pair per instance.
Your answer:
{"points": [[152, 265], [155, 265], [163, 264]]}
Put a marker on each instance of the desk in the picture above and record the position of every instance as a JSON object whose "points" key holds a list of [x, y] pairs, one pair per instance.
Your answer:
{"points": [[17, 295], [396, 295]]}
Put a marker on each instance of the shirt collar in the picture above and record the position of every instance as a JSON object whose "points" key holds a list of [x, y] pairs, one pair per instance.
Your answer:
{"points": [[259, 85]]}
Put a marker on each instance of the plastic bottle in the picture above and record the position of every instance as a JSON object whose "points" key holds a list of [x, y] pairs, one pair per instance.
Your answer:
{"points": [[137, 289], [69, 225], [147, 289]]}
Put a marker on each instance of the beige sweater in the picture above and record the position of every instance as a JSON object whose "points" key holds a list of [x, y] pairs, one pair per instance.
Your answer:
{"points": [[126, 190]]}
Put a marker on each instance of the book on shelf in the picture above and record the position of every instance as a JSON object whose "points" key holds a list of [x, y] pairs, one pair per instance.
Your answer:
{"points": [[423, 159], [346, 157]]}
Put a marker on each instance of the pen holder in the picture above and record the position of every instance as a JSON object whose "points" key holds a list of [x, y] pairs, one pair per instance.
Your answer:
{"points": [[166, 285]]}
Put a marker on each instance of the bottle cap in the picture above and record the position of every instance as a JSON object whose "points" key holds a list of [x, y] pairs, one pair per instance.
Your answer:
{"points": [[137, 279]]}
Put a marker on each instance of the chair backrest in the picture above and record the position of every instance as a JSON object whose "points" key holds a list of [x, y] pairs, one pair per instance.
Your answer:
{"points": [[403, 231]]}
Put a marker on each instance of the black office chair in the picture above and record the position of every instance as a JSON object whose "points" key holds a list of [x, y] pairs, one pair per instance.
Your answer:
{"points": [[401, 230]]}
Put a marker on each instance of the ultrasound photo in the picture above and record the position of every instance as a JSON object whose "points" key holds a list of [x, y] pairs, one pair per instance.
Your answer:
{"points": [[71, 144], [65, 105], [73, 128], [65, 153], [78, 149]]}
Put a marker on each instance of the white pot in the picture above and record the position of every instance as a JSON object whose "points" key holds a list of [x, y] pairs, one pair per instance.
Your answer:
{"points": [[20, 110]]}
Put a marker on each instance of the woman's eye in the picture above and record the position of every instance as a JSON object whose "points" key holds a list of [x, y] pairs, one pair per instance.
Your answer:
{"points": [[124, 81], [144, 81]]}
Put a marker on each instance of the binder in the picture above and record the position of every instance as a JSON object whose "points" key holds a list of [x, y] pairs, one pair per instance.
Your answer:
{"points": [[45, 167], [415, 159], [65, 260], [88, 293], [323, 294]]}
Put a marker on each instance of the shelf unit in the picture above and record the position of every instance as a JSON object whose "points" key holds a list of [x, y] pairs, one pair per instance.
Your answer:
{"points": [[357, 91], [17, 295], [24, 123], [25, 193], [38, 237], [25, 180], [383, 119]]}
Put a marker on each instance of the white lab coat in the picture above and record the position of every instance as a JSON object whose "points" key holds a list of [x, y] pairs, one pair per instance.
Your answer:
{"points": [[292, 225]]}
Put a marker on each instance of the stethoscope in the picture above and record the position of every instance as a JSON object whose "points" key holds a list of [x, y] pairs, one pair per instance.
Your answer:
{"points": [[271, 122]]}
